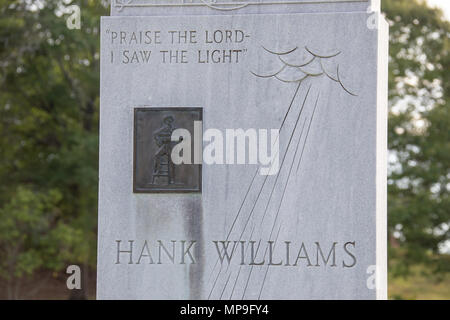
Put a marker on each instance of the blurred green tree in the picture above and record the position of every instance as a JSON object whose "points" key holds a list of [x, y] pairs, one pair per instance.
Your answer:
{"points": [[419, 136], [31, 238], [49, 87]]}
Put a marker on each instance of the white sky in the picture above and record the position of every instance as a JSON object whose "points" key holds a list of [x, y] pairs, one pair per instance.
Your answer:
{"points": [[443, 4]]}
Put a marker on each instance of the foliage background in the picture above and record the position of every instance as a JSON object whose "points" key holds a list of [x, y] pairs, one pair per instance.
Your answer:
{"points": [[49, 103]]}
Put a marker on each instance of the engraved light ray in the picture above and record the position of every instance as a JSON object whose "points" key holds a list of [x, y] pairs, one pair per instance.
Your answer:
{"points": [[247, 194], [300, 66], [276, 75], [254, 202], [251, 214]]}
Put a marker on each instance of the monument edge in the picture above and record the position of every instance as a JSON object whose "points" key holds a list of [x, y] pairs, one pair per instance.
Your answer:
{"points": [[382, 150]]}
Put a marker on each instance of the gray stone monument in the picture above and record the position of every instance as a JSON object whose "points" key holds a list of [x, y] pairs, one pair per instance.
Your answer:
{"points": [[307, 81]]}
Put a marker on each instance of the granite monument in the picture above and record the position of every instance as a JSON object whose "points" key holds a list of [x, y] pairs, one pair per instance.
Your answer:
{"points": [[298, 212]]}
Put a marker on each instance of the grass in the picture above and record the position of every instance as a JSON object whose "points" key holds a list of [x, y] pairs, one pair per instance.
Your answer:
{"points": [[418, 286]]}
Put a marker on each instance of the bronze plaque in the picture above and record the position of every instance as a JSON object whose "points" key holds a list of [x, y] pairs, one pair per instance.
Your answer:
{"points": [[154, 170]]}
